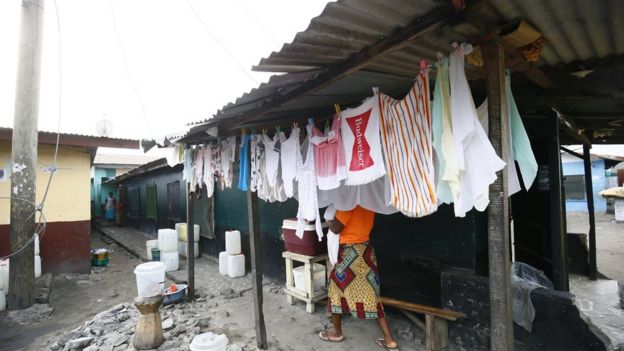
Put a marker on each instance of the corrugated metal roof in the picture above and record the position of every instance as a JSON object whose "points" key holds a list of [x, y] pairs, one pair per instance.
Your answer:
{"points": [[575, 30]]}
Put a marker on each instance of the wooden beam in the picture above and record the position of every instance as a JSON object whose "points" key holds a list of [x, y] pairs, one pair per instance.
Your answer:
{"points": [[414, 307], [501, 320], [402, 38], [589, 189], [570, 127], [256, 268], [190, 241], [557, 230], [573, 153]]}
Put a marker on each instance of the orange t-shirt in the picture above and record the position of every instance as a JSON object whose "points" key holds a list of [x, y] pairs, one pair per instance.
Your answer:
{"points": [[358, 224]]}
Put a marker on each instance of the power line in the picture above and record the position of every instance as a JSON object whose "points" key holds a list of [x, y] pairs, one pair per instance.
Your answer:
{"points": [[221, 44], [127, 69], [253, 16]]}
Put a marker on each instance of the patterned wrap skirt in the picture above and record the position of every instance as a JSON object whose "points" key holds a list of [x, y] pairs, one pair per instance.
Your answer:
{"points": [[354, 283]]}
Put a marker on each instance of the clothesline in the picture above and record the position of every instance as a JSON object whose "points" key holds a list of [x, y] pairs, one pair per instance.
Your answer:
{"points": [[387, 155]]}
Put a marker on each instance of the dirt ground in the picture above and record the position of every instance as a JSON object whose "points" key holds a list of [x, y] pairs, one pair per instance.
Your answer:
{"points": [[609, 241], [75, 300]]}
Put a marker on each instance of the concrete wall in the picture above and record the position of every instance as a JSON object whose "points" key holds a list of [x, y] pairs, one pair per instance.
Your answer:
{"points": [[598, 183], [66, 243]]}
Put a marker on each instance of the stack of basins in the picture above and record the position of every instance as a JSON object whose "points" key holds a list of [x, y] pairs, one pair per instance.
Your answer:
{"points": [[168, 245], [183, 244], [232, 261], [4, 282], [37, 258]]}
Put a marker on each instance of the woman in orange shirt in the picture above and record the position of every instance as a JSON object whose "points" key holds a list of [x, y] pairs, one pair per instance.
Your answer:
{"points": [[354, 281]]}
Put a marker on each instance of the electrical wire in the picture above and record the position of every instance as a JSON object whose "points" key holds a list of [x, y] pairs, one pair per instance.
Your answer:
{"points": [[124, 56], [221, 44], [253, 16]]}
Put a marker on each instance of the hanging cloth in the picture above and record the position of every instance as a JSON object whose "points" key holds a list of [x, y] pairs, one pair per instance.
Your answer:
{"points": [[199, 166], [374, 196], [329, 156], [477, 159], [208, 175], [448, 181], [406, 140], [519, 146], [243, 174], [228, 154], [272, 157], [175, 155], [288, 158], [361, 142], [188, 165], [306, 190], [256, 155]]}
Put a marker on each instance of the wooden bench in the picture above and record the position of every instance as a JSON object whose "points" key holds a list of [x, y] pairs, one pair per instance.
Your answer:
{"points": [[436, 321]]}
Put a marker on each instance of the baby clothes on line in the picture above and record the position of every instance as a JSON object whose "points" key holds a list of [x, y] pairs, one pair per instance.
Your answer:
{"points": [[288, 158], [256, 155], [306, 190], [477, 159], [243, 174], [448, 181], [228, 155], [329, 156], [272, 157], [361, 142], [406, 136]]}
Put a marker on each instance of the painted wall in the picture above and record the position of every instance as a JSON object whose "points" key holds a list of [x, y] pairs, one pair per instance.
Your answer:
{"points": [[66, 243], [598, 184]]}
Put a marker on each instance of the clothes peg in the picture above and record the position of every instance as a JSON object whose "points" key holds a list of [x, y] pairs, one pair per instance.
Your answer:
{"points": [[310, 121]]}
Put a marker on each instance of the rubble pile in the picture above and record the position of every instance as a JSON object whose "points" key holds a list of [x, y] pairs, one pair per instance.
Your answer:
{"points": [[113, 330]]}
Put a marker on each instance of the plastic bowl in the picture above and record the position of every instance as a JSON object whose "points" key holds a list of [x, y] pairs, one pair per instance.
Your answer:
{"points": [[174, 297], [99, 262]]}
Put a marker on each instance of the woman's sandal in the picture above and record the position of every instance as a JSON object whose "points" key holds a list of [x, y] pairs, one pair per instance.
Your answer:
{"points": [[325, 337], [382, 343]]}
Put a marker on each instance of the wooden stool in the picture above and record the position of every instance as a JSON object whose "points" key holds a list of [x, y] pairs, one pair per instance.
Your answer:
{"points": [[309, 295], [148, 334]]}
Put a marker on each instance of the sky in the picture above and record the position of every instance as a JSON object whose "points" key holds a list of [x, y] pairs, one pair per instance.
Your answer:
{"points": [[147, 66]]}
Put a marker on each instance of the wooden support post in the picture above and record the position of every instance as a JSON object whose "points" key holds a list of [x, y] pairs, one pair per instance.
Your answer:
{"points": [[256, 267], [589, 189], [24, 157], [190, 245], [501, 320], [557, 229], [436, 333]]}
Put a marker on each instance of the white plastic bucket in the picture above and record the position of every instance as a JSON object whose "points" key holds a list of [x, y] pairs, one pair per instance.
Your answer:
{"points": [[149, 245], [37, 245], [181, 229], [236, 266], [2, 300], [233, 242], [183, 249], [167, 240], [223, 263], [171, 260], [150, 278], [318, 274], [37, 266], [4, 270], [209, 342]]}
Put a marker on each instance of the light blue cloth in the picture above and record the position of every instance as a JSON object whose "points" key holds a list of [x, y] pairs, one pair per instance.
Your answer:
{"points": [[443, 190], [521, 145], [243, 174]]}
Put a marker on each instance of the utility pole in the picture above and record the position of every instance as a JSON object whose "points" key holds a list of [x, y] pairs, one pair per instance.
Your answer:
{"points": [[24, 155]]}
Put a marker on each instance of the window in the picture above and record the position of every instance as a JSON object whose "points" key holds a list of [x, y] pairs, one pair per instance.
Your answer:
{"points": [[574, 187], [151, 201], [134, 203], [173, 201]]}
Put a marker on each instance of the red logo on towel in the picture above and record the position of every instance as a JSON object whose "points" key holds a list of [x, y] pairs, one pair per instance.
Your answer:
{"points": [[361, 158]]}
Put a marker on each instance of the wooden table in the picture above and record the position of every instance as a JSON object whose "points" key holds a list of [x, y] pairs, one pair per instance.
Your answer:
{"points": [[308, 295]]}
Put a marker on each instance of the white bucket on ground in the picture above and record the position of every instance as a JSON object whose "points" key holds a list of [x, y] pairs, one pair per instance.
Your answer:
{"points": [[318, 277], [167, 240], [37, 245], [209, 342], [233, 242], [183, 249], [37, 266], [223, 263], [171, 260], [236, 266], [149, 245], [4, 270], [2, 300], [181, 229], [150, 278]]}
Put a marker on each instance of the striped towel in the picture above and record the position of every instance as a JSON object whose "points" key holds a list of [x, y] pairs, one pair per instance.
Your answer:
{"points": [[406, 141]]}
